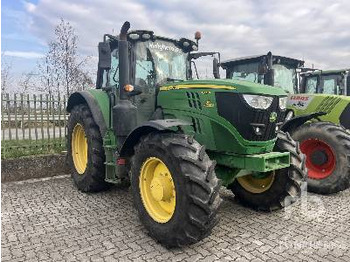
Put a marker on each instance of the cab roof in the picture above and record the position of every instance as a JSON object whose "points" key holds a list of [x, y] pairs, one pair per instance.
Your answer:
{"points": [[326, 72], [258, 58]]}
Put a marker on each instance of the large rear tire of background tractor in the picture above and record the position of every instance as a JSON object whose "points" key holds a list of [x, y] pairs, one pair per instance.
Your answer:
{"points": [[327, 150], [85, 150], [175, 189], [277, 189]]}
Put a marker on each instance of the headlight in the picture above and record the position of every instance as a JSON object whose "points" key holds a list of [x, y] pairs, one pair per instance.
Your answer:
{"points": [[258, 102], [283, 102]]}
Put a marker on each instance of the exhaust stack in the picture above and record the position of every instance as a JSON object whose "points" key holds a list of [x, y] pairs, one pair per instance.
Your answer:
{"points": [[124, 76], [124, 112]]}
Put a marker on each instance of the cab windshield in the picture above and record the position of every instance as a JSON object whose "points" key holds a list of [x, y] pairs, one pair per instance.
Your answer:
{"points": [[285, 78], [247, 72], [158, 61]]}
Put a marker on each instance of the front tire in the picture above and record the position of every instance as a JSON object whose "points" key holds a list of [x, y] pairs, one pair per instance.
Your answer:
{"points": [[276, 189], [175, 189], [85, 150], [327, 150]]}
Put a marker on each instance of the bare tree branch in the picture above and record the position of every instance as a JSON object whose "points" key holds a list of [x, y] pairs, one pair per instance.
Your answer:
{"points": [[26, 83], [6, 69], [61, 70]]}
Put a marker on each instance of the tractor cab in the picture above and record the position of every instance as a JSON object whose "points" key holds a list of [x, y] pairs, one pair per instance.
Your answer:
{"points": [[331, 82], [152, 61], [266, 69]]}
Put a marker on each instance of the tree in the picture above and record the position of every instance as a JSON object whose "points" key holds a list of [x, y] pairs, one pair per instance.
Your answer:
{"points": [[5, 74], [61, 69], [26, 82]]}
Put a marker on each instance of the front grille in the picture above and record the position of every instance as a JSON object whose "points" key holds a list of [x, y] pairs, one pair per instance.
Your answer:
{"points": [[244, 118]]}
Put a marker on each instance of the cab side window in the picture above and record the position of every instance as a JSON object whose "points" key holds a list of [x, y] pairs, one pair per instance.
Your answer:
{"points": [[329, 86], [145, 74], [111, 77], [114, 71], [311, 85]]}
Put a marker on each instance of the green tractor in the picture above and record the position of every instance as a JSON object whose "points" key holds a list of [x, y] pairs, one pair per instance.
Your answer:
{"points": [[177, 140], [321, 98]]}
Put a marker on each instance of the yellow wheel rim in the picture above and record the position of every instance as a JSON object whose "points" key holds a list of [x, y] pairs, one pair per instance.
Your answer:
{"points": [[157, 190], [79, 149], [256, 185]]}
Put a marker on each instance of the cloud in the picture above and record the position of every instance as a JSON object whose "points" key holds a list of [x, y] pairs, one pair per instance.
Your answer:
{"points": [[314, 30], [25, 55]]}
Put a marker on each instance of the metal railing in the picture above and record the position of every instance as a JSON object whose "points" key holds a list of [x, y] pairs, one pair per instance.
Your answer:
{"points": [[32, 124]]}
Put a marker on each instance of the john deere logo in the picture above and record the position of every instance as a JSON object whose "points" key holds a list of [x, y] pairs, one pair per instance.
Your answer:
{"points": [[273, 117], [208, 103]]}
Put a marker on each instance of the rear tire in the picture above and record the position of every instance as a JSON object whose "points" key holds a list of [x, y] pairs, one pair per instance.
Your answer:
{"points": [[196, 188], [285, 187], [87, 177], [327, 147]]}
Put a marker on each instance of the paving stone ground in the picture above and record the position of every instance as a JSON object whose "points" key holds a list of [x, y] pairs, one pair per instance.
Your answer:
{"points": [[49, 220]]}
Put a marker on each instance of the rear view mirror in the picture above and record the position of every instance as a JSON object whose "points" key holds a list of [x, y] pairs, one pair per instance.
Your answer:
{"points": [[216, 68], [104, 55]]}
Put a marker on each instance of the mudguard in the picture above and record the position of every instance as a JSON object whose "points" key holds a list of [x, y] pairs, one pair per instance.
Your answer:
{"points": [[295, 122], [98, 103], [133, 138]]}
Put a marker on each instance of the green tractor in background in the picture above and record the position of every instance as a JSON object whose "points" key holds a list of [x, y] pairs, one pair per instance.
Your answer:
{"points": [[321, 98], [178, 140]]}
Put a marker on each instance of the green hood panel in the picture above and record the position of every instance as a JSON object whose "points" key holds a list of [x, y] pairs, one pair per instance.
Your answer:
{"points": [[238, 86], [197, 102], [333, 105]]}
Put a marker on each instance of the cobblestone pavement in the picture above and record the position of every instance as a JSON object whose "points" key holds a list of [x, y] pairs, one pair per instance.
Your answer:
{"points": [[49, 220]]}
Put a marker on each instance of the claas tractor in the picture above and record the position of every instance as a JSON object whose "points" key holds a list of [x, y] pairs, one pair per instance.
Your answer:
{"points": [[177, 141], [318, 113]]}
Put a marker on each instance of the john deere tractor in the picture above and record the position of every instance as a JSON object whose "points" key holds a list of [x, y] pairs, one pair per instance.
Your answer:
{"points": [[178, 140], [321, 116]]}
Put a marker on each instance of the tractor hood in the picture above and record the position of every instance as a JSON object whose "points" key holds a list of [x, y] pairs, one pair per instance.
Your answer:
{"points": [[219, 108], [237, 86]]}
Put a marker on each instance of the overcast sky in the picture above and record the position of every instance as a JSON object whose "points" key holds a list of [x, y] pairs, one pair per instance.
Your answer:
{"points": [[317, 31]]}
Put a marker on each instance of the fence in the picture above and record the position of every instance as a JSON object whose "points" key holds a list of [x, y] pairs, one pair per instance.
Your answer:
{"points": [[32, 124]]}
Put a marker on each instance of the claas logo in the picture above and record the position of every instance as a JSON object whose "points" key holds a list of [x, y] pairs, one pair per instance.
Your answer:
{"points": [[300, 98]]}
